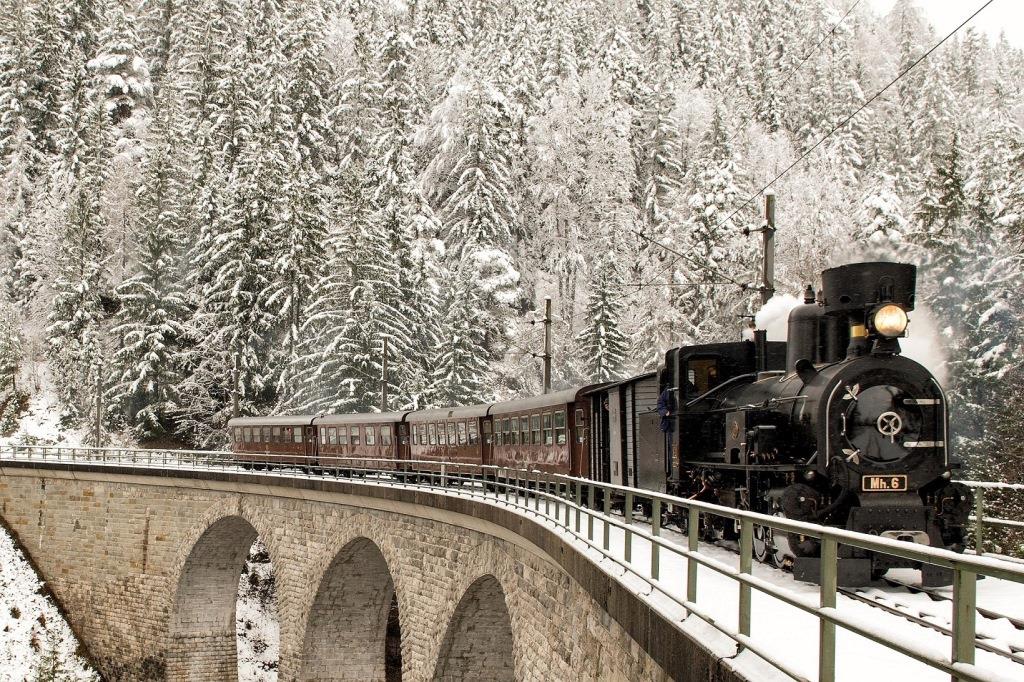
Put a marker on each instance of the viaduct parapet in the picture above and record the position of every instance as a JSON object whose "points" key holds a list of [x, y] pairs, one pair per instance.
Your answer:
{"points": [[146, 565]]}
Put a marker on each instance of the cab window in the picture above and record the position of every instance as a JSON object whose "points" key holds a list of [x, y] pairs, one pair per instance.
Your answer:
{"points": [[560, 427], [701, 376], [385, 435]]}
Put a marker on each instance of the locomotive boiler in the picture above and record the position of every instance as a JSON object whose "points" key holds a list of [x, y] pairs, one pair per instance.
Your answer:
{"points": [[833, 427]]}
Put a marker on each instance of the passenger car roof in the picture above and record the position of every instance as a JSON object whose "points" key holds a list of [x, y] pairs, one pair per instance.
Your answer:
{"points": [[280, 420], [359, 418]]}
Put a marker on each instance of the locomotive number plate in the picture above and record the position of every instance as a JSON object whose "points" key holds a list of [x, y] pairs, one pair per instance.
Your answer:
{"points": [[879, 484]]}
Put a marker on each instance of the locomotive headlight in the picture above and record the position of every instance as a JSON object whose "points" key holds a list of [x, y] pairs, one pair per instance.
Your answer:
{"points": [[890, 320]]}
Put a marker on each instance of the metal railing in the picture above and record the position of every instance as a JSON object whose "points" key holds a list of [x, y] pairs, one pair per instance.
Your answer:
{"points": [[575, 506], [982, 494]]}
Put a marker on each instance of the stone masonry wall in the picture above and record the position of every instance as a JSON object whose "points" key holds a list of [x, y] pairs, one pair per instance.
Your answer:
{"points": [[115, 547]]}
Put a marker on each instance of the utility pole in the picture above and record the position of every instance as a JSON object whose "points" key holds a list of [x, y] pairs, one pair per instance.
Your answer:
{"points": [[384, 376], [768, 244], [547, 344], [234, 384], [546, 355]]}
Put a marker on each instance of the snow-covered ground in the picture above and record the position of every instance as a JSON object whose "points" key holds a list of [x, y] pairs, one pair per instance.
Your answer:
{"points": [[41, 422], [256, 619], [35, 640]]}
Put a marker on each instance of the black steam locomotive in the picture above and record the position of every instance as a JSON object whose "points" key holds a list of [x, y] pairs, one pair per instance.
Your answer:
{"points": [[833, 427]]}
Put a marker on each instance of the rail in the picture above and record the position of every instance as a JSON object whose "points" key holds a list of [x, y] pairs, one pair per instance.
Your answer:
{"points": [[573, 505]]}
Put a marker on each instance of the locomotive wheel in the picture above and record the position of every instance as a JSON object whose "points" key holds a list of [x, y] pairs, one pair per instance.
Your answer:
{"points": [[764, 545]]}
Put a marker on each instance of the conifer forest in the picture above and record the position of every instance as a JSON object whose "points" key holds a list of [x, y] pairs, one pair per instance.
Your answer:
{"points": [[201, 198]]}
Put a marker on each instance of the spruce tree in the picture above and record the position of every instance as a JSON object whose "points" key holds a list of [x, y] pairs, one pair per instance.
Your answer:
{"points": [[602, 344], [151, 322]]}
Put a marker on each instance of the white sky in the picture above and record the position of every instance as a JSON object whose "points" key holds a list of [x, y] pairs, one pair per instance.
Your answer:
{"points": [[945, 15]]}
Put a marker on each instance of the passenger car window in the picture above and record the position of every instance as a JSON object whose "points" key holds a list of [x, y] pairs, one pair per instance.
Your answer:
{"points": [[474, 438], [342, 436], [248, 435], [297, 435], [451, 433], [371, 435], [461, 426], [275, 434], [524, 430], [535, 424], [548, 436], [560, 427], [353, 432], [432, 431], [385, 435]]}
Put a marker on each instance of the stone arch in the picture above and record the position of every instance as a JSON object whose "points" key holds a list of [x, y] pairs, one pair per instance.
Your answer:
{"points": [[353, 631], [478, 644], [202, 633]]}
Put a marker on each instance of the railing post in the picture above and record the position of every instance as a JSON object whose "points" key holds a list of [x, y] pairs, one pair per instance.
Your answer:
{"points": [[627, 515], [591, 503], [655, 531], [547, 493], [826, 628], [604, 522], [979, 521], [964, 603], [578, 495], [444, 475], [692, 544], [536, 491], [746, 559]]}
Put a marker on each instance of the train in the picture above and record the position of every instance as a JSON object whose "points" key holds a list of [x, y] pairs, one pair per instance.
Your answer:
{"points": [[833, 426]]}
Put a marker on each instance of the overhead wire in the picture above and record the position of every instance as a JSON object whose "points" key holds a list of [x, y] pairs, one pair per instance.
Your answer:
{"points": [[853, 115], [820, 42], [739, 127]]}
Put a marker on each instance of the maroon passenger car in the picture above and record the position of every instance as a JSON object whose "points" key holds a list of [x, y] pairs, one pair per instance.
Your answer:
{"points": [[546, 432], [278, 440], [369, 436]]}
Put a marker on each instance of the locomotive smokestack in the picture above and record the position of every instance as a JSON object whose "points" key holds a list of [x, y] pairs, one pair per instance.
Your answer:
{"points": [[874, 298]]}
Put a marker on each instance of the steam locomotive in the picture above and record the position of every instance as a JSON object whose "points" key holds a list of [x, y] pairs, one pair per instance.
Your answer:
{"points": [[833, 427]]}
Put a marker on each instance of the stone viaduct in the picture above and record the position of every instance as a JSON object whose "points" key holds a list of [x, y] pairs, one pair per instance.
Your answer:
{"points": [[146, 565]]}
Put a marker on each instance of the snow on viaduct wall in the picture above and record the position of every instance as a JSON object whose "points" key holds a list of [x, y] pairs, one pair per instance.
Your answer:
{"points": [[147, 565]]}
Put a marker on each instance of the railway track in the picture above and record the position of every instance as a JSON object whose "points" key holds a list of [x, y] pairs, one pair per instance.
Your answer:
{"points": [[935, 595], [1015, 654]]}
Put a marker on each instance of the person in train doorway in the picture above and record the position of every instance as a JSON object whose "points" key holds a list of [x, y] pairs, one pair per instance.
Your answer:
{"points": [[667, 409]]}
